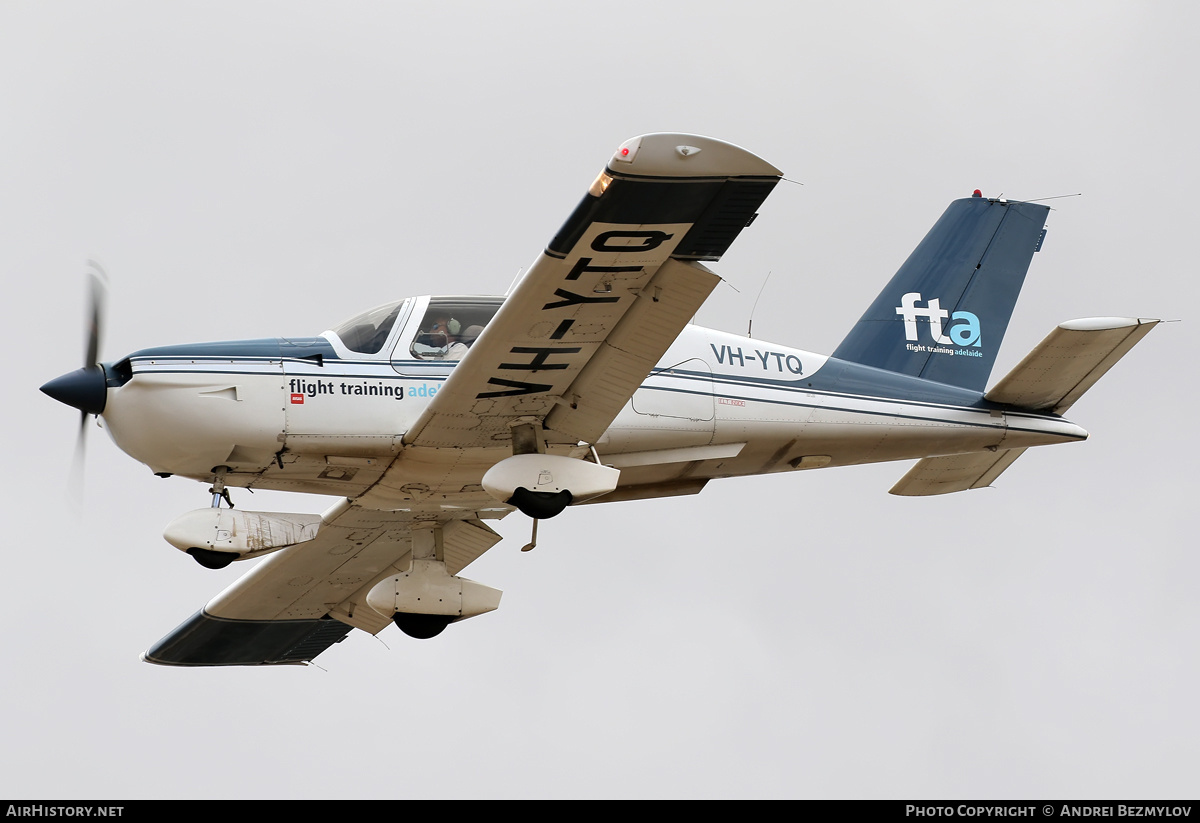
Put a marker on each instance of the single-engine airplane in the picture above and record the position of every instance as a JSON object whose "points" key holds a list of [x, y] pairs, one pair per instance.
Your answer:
{"points": [[586, 383]]}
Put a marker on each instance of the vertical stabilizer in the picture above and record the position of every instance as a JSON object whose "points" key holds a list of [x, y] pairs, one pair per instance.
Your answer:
{"points": [[944, 313]]}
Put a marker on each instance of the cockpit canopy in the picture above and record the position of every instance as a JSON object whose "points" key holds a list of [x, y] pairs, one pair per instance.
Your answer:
{"points": [[447, 329]]}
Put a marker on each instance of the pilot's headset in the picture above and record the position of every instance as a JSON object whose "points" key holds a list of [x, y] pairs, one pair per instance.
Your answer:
{"points": [[452, 327]]}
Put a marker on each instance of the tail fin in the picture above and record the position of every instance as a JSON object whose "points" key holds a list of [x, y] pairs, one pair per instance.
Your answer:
{"points": [[944, 313]]}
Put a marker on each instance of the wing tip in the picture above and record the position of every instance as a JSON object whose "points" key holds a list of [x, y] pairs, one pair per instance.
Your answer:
{"points": [[208, 640], [666, 154], [1107, 323]]}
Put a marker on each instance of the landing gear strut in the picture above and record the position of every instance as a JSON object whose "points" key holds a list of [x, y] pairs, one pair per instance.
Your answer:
{"points": [[208, 558], [218, 490]]}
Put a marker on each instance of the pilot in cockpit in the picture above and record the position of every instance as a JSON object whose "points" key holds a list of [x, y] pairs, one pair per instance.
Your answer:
{"points": [[448, 328]]}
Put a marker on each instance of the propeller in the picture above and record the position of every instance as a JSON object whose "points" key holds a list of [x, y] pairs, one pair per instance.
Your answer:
{"points": [[86, 388], [97, 286], [97, 297]]}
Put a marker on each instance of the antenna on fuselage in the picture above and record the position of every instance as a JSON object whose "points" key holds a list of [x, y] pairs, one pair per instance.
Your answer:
{"points": [[750, 325]]}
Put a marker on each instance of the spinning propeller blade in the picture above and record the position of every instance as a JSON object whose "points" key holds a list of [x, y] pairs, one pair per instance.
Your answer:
{"points": [[85, 389], [97, 285]]}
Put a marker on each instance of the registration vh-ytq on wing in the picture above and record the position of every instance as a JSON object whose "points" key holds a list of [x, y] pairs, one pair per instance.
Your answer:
{"points": [[587, 383]]}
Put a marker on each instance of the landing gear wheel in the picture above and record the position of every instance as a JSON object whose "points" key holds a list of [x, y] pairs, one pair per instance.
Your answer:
{"points": [[540, 505], [210, 559], [421, 626]]}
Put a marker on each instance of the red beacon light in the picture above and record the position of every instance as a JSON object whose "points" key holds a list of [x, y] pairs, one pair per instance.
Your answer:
{"points": [[626, 153], [977, 193]]}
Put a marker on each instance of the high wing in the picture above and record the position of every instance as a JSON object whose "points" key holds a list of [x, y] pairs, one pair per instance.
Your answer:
{"points": [[605, 300], [567, 349], [1049, 379]]}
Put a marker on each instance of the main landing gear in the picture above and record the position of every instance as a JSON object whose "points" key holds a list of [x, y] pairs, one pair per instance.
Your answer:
{"points": [[208, 558]]}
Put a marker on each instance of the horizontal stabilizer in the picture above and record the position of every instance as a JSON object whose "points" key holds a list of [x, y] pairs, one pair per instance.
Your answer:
{"points": [[954, 473], [1068, 362], [1050, 379]]}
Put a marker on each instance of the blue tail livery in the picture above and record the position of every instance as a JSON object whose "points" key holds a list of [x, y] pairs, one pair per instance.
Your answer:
{"points": [[944, 313]]}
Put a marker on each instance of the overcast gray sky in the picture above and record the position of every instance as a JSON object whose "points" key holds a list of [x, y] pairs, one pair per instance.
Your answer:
{"points": [[255, 169]]}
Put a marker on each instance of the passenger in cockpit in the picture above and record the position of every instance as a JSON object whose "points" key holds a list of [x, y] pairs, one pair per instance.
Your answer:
{"points": [[470, 333]]}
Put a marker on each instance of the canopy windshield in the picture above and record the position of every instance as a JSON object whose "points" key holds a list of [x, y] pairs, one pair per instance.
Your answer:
{"points": [[367, 332]]}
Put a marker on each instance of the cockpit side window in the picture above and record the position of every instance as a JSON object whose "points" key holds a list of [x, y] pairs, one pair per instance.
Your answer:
{"points": [[451, 325], [367, 332]]}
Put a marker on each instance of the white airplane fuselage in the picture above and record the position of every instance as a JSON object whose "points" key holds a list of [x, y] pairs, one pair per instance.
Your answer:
{"points": [[282, 415]]}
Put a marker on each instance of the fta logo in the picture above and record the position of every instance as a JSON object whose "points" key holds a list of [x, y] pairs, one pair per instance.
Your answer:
{"points": [[964, 332]]}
